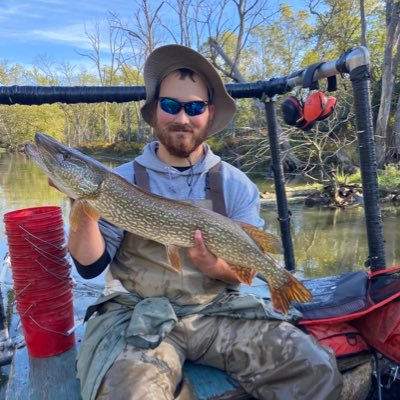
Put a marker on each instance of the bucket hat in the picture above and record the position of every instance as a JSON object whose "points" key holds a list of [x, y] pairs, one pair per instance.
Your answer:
{"points": [[166, 59]]}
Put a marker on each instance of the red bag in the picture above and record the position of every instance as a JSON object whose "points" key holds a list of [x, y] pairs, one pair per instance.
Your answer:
{"points": [[344, 339], [381, 329], [361, 311]]}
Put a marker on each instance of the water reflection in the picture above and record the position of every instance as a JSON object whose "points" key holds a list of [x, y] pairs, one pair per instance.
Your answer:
{"points": [[332, 241], [326, 242]]}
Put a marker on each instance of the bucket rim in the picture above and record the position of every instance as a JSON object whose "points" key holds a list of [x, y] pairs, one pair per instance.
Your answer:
{"points": [[31, 212]]}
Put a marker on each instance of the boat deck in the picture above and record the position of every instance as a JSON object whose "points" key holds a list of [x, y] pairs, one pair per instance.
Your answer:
{"points": [[54, 377]]}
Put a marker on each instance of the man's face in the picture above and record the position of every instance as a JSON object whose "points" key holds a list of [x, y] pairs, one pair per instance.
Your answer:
{"points": [[181, 134]]}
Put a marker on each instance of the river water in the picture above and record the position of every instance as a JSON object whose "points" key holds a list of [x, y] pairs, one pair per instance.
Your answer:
{"points": [[326, 241]]}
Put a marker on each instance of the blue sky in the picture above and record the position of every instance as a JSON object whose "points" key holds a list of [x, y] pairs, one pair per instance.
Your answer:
{"points": [[55, 29], [52, 28]]}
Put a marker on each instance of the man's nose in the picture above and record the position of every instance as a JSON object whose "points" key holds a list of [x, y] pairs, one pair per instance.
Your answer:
{"points": [[182, 117]]}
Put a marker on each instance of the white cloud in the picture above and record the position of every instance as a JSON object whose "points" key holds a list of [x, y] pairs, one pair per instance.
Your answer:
{"points": [[54, 27]]}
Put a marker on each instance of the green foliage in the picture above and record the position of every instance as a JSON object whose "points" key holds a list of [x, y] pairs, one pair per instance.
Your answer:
{"points": [[279, 46], [116, 149], [348, 179], [20, 123], [389, 178]]}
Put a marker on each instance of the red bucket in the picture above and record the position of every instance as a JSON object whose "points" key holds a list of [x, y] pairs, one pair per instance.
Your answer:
{"points": [[39, 263], [48, 335], [34, 259], [45, 306], [33, 227], [32, 214], [54, 237], [28, 292], [25, 271], [31, 252], [34, 283], [33, 220], [40, 271]]}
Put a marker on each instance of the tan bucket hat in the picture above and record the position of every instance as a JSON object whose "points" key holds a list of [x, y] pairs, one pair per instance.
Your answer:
{"points": [[166, 59]]}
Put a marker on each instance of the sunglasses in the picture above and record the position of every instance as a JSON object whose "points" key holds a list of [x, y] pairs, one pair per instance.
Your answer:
{"points": [[192, 108]]}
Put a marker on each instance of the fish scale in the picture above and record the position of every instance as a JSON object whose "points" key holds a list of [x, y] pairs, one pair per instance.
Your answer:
{"points": [[169, 222]]}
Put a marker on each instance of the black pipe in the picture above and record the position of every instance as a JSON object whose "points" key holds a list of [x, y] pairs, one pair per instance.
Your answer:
{"points": [[36, 95], [366, 144], [279, 180]]}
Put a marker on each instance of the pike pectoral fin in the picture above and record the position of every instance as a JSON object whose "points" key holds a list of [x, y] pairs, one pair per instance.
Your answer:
{"points": [[174, 257], [78, 207], [245, 275], [267, 242]]}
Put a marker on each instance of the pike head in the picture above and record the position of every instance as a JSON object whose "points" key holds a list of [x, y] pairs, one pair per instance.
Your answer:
{"points": [[73, 173]]}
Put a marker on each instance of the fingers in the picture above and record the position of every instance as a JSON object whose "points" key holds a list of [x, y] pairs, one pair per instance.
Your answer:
{"points": [[199, 242], [50, 183], [198, 238]]}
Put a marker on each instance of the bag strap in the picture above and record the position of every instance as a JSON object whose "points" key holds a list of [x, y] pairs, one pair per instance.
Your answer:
{"points": [[140, 176], [214, 189]]}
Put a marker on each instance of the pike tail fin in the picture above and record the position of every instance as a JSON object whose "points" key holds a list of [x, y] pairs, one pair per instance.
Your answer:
{"points": [[292, 290]]}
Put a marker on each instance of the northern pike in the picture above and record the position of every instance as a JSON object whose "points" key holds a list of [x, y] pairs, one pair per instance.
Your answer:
{"points": [[101, 192]]}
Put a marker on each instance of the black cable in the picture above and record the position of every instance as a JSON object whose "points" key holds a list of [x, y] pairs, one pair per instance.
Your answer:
{"points": [[378, 376]]}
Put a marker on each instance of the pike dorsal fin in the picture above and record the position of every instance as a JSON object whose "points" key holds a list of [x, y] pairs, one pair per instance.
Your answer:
{"points": [[174, 257], [245, 275], [78, 207], [267, 242]]}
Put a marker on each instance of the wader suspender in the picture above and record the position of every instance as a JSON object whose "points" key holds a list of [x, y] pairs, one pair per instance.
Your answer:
{"points": [[213, 187]]}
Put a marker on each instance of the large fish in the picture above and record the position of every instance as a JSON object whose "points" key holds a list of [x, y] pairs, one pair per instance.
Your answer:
{"points": [[100, 192]]}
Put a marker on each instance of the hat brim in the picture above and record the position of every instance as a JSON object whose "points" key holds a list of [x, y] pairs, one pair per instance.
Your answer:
{"points": [[169, 58]]}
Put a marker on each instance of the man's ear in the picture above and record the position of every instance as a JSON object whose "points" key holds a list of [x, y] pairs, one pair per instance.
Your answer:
{"points": [[211, 111], [153, 105]]}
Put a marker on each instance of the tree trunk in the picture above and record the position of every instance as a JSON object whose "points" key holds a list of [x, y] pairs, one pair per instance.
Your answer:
{"points": [[390, 64], [289, 161], [394, 137], [363, 24]]}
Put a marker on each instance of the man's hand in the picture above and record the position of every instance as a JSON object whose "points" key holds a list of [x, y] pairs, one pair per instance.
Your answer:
{"points": [[86, 245], [208, 263], [51, 183]]}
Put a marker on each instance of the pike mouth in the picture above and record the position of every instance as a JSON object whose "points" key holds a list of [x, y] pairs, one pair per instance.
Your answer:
{"points": [[46, 142], [31, 150], [40, 154]]}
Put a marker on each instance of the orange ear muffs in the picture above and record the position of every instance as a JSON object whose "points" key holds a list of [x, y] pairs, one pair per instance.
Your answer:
{"points": [[292, 112], [314, 106], [328, 110]]}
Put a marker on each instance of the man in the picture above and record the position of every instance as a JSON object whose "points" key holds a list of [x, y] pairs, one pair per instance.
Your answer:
{"points": [[151, 318]]}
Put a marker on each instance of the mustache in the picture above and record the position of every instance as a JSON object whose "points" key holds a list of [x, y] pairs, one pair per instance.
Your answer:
{"points": [[174, 127]]}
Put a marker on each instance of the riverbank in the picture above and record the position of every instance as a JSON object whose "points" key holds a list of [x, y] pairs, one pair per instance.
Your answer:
{"points": [[298, 190]]}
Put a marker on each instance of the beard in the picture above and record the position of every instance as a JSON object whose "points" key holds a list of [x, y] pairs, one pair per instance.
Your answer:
{"points": [[181, 140]]}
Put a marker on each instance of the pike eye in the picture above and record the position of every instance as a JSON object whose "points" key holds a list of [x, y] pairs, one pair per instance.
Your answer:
{"points": [[66, 156]]}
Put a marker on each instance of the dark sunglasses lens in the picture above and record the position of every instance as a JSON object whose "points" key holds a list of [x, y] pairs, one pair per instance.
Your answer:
{"points": [[170, 106], [195, 108]]}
